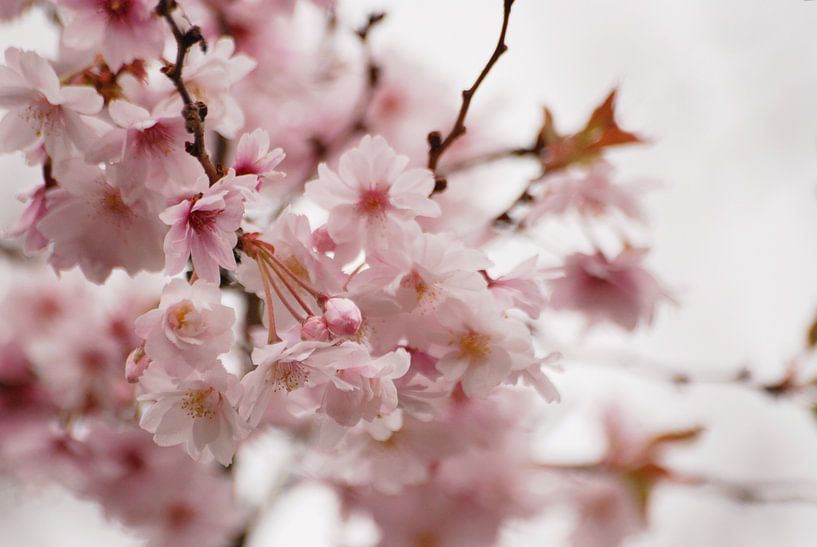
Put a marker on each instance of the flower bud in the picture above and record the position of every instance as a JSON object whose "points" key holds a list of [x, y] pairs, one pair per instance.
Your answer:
{"points": [[136, 364], [342, 316], [314, 328]]}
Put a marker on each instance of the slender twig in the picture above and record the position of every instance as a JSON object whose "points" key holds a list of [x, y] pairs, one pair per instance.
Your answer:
{"points": [[193, 112], [437, 145], [489, 157]]}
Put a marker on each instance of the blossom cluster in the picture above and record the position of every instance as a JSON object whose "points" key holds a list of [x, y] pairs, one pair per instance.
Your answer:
{"points": [[319, 278]]}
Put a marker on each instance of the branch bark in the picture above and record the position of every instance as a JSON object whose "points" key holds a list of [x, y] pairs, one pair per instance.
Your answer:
{"points": [[192, 112]]}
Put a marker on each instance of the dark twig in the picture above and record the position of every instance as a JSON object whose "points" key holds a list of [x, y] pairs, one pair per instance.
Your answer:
{"points": [[490, 157], [193, 112], [437, 145]]}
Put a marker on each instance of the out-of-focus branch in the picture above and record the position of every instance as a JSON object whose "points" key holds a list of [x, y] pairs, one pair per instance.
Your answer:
{"points": [[360, 111], [437, 145], [193, 112], [322, 149]]}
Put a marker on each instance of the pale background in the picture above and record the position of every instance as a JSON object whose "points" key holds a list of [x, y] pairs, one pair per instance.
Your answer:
{"points": [[727, 90]]}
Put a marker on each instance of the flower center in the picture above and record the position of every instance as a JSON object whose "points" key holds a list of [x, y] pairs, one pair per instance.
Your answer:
{"points": [[117, 9], [155, 139], [289, 375], [202, 221], [200, 403], [416, 283], [185, 319], [373, 202], [474, 346], [113, 202]]}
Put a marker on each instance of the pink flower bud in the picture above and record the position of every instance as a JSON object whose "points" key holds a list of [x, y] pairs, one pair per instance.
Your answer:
{"points": [[322, 241], [136, 364], [342, 316], [314, 328]]}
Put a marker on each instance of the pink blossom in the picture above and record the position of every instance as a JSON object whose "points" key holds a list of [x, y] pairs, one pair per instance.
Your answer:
{"points": [[121, 30], [521, 288], [82, 370], [93, 227], [283, 368], [189, 327], [136, 364], [40, 108], [147, 150], [342, 316], [588, 190], [254, 157], [607, 512], [619, 290], [203, 226], [198, 411], [372, 196], [200, 512], [26, 226], [364, 387], [425, 270], [478, 343]]}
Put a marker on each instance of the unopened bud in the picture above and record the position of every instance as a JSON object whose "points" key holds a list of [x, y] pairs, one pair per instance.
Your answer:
{"points": [[315, 328], [342, 316], [136, 364]]}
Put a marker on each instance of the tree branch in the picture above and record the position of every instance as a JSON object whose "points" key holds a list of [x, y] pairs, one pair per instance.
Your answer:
{"points": [[193, 112], [437, 145]]}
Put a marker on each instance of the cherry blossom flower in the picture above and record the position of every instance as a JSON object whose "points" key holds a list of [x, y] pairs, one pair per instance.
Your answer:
{"points": [[40, 108], [200, 512], [254, 157], [26, 226], [606, 510], [287, 368], [619, 289], [520, 288], [121, 30], [189, 327], [479, 345], [364, 388], [587, 190], [146, 151], [93, 227], [203, 226], [427, 269], [373, 195], [198, 411]]}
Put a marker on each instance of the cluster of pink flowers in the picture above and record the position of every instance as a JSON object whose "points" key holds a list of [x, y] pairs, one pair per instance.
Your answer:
{"points": [[379, 328]]}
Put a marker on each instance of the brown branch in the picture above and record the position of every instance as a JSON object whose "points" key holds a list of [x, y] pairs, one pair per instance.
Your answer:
{"points": [[437, 145], [193, 112], [490, 157]]}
